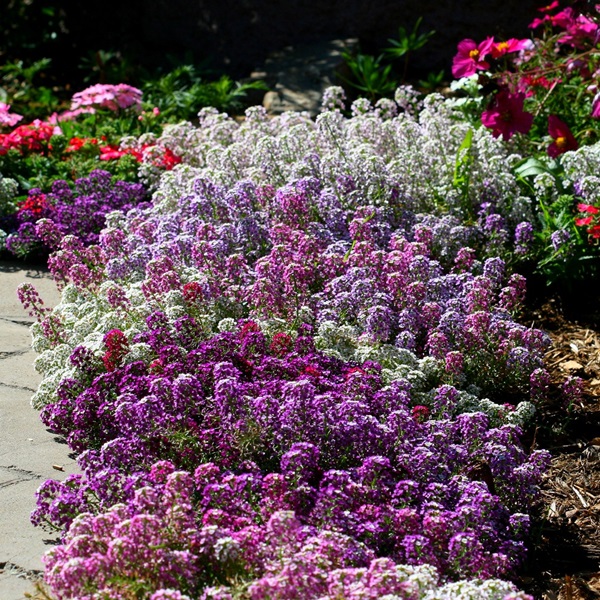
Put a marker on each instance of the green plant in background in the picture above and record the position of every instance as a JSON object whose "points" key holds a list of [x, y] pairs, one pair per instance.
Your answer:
{"points": [[182, 92], [20, 85], [108, 66], [433, 81], [372, 76], [407, 43]]}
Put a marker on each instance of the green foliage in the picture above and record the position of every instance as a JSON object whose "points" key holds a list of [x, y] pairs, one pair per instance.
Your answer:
{"points": [[462, 173], [407, 42], [369, 75], [563, 252], [372, 76], [182, 92], [29, 28], [20, 87], [107, 66], [433, 82]]}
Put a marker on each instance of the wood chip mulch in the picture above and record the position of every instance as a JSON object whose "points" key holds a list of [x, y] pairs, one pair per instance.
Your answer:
{"points": [[564, 563]]}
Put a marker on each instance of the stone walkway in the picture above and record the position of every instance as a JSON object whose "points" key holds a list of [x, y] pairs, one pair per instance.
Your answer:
{"points": [[29, 454]]}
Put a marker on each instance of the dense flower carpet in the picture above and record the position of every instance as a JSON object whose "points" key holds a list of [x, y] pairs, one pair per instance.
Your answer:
{"points": [[288, 352]]}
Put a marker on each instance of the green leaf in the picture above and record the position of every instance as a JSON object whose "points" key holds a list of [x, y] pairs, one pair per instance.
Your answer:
{"points": [[531, 167]]}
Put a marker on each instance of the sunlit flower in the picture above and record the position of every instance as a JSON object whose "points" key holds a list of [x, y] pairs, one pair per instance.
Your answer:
{"points": [[470, 57], [512, 45]]}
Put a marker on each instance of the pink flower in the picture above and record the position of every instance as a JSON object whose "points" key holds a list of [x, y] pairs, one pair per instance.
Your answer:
{"points": [[588, 208], [113, 97], [527, 83], [506, 116], [596, 107], [579, 31], [7, 118], [563, 19], [564, 140], [470, 57], [513, 45], [560, 19]]}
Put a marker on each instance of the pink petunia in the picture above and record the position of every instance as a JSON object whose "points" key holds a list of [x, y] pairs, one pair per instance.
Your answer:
{"points": [[563, 139], [470, 57], [505, 116], [564, 18], [561, 19], [7, 118]]}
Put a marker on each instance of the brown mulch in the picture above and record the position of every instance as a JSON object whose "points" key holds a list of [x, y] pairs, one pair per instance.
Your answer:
{"points": [[564, 562]]}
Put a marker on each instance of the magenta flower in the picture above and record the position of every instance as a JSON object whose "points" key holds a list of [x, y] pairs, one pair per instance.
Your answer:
{"points": [[113, 97], [579, 31], [513, 45], [506, 116], [596, 107], [563, 139], [7, 118], [470, 57]]}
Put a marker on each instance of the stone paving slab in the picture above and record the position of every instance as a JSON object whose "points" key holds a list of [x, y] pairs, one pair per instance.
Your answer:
{"points": [[29, 454]]}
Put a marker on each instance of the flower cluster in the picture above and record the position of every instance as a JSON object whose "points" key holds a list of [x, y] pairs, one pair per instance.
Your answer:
{"points": [[112, 97], [45, 218], [33, 137], [174, 552], [588, 219], [297, 372], [554, 76]]}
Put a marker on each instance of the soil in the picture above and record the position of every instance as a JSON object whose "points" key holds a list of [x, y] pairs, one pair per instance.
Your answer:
{"points": [[564, 557]]}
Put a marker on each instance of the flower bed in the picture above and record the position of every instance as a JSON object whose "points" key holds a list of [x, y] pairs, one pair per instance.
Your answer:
{"points": [[297, 370], [296, 356]]}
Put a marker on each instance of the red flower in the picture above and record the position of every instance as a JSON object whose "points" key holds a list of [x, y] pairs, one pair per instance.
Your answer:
{"points": [[36, 205], [549, 7], [420, 413], [117, 347], [281, 344], [192, 292], [470, 57], [588, 208], [564, 140], [312, 371], [506, 116], [76, 143], [168, 160]]}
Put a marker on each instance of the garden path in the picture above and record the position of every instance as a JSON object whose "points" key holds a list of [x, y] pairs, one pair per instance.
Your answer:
{"points": [[29, 454]]}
